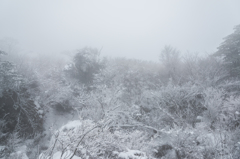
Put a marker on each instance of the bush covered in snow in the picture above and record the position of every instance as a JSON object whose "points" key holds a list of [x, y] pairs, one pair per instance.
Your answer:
{"points": [[126, 109]]}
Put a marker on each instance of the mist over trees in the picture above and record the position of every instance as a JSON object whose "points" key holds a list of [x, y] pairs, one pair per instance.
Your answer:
{"points": [[92, 107]]}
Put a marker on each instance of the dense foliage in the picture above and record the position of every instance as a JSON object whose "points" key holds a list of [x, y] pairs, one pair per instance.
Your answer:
{"points": [[230, 50], [181, 108], [85, 64], [19, 115]]}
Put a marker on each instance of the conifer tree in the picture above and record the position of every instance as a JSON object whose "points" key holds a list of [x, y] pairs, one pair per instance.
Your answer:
{"points": [[230, 51]]}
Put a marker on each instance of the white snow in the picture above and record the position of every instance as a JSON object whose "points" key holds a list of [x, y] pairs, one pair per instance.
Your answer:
{"points": [[71, 125], [132, 154], [22, 148], [66, 155], [57, 155], [19, 155], [2, 148], [40, 112], [68, 67], [37, 104]]}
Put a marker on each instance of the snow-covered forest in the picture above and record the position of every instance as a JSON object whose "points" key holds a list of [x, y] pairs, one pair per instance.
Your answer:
{"points": [[90, 107]]}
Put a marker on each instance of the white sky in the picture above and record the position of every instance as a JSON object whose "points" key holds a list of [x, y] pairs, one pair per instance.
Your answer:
{"points": [[127, 28]]}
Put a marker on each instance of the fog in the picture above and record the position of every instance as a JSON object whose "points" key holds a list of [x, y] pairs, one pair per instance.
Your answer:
{"points": [[133, 29]]}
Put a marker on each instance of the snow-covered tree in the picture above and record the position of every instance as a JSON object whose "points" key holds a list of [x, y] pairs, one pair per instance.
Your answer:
{"points": [[85, 64], [230, 51]]}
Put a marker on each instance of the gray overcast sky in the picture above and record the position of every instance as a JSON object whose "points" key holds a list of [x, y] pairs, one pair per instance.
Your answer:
{"points": [[126, 28]]}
